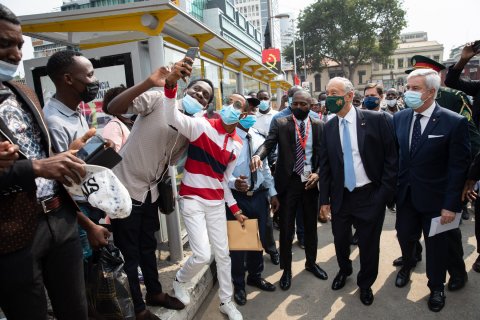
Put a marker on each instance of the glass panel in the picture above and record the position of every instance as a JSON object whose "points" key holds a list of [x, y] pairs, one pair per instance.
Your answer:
{"points": [[250, 84], [229, 84], [212, 73], [172, 56]]}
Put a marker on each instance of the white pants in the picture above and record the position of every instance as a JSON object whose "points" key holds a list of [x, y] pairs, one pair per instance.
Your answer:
{"points": [[203, 223]]}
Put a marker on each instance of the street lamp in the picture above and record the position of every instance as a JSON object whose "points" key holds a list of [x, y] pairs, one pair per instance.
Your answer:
{"points": [[283, 16]]}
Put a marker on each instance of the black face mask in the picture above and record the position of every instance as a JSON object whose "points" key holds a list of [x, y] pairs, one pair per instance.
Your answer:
{"points": [[90, 92], [300, 114]]}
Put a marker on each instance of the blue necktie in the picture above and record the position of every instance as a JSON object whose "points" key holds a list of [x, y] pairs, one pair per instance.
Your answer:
{"points": [[348, 170], [416, 134]]}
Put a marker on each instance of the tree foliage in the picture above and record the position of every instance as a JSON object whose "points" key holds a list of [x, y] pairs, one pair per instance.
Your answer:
{"points": [[349, 32]]}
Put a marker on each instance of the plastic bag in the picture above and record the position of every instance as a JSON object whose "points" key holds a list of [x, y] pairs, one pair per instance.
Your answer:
{"points": [[108, 293]]}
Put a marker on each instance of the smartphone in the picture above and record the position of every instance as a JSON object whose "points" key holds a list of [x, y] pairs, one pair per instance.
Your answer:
{"points": [[476, 46], [192, 54], [92, 146]]}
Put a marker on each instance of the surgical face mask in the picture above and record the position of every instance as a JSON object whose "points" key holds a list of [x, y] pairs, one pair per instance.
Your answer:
{"points": [[191, 105], [371, 102], [335, 103], [264, 105], [392, 103], [413, 99], [90, 92], [248, 121], [229, 115], [7, 70]]}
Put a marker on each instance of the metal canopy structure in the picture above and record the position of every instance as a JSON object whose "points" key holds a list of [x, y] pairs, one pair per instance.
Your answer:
{"points": [[103, 26]]}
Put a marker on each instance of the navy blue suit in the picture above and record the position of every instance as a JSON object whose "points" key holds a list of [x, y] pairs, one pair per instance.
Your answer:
{"points": [[429, 180]]}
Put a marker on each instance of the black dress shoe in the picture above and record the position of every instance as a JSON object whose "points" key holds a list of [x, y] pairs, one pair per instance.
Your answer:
{"points": [[399, 261], [240, 297], [457, 282], [317, 271], [436, 301], [476, 265], [366, 296], [339, 281], [286, 280], [403, 277], [275, 258], [261, 284]]}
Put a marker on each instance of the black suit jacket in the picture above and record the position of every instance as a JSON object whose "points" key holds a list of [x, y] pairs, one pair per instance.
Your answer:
{"points": [[282, 132], [436, 171], [376, 144]]}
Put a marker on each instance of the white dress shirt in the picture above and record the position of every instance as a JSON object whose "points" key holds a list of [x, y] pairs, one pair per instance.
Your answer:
{"points": [[361, 177], [427, 114], [263, 121]]}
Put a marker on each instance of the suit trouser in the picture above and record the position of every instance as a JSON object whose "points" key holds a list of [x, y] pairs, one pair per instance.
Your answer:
{"points": [[367, 214], [268, 241], [53, 261], [477, 223], [294, 196], [204, 223], [410, 223], [135, 237], [254, 207]]}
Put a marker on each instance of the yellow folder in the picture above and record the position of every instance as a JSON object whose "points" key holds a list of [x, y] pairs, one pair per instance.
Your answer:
{"points": [[244, 238]]}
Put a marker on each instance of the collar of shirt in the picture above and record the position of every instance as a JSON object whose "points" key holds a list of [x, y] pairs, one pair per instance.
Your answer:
{"points": [[63, 109], [241, 133], [426, 113], [350, 116]]}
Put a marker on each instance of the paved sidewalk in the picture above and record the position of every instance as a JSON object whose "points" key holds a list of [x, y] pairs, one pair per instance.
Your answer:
{"points": [[311, 298]]}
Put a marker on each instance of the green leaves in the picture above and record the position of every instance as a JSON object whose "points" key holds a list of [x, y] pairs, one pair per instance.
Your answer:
{"points": [[349, 32]]}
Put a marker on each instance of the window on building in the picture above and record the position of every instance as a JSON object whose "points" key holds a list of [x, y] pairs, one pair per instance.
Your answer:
{"points": [[391, 64], [384, 66], [376, 66], [436, 58], [362, 76], [409, 62], [318, 82], [400, 63]]}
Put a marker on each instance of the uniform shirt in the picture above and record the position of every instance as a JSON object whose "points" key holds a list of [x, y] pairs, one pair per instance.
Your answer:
{"points": [[151, 146], [64, 124], [24, 128], [211, 158], [427, 114], [308, 146], [361, 177], [263, 121], [264, 176]]}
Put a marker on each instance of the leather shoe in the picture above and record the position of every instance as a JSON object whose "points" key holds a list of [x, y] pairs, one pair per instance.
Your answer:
{"points": [[261, 284], [240, 297], [286, 280], [403, 277], [163, 300], [339, 281], [399, 261], [366, 296], [476, 265], [146, 315], [317, 271], [457, 282], [436, 301], [275, 258]]}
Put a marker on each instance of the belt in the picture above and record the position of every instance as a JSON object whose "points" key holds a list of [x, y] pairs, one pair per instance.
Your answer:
{"points": [[51, 204], [362, 188], [250, 192]]}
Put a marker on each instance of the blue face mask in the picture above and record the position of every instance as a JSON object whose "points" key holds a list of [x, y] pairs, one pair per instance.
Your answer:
{"points": [[248, 121], [264, 105], [7, 70], [371, 102], [413, 99], [229, 115], [191, 105]]}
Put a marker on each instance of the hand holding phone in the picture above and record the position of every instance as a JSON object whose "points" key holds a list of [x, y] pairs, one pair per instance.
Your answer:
{"points": [[93, 145]]}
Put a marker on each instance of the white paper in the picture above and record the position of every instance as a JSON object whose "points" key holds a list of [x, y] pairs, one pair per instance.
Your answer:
{"points": [[436, 227]]}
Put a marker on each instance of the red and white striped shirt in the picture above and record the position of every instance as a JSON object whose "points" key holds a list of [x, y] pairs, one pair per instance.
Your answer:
{"points": [[211, 159]]}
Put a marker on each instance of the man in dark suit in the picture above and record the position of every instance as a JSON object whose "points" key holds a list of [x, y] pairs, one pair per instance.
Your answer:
{"points": [[434, 154], [358, 170], [39, 244], [296, 176]]}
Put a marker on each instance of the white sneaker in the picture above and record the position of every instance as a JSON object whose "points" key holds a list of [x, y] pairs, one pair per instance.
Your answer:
{"points": [[181, 291], [230, 310]]}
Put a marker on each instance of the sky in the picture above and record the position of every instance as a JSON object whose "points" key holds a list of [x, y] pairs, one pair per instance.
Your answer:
{"points": [[450, 22]]}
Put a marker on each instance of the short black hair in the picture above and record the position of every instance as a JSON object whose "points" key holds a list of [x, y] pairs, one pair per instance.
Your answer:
{"points": [[59, 62], [204, 80], [109, 95], [7, 15], [321, 94], [262, 91]]}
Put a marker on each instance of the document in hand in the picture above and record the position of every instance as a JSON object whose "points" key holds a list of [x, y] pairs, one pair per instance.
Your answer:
{"points": [[436, 227], [244, 238]]}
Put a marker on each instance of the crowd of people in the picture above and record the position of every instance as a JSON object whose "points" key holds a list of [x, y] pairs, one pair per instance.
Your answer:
{"points": [[344, 157]]}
